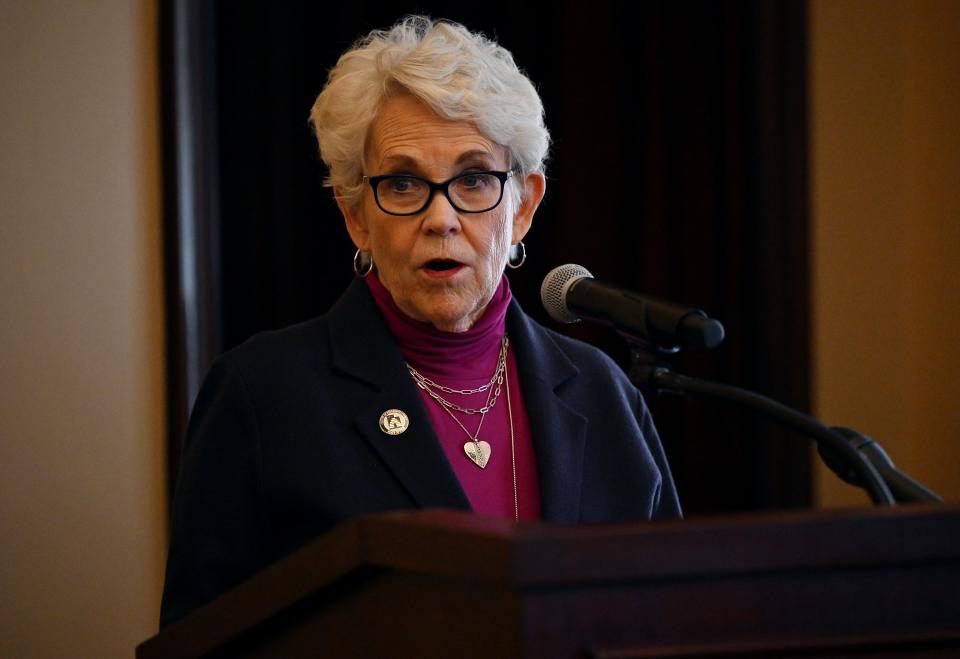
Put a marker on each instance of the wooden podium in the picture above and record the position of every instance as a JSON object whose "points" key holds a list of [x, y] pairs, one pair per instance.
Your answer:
{"points": [[874, 582]]}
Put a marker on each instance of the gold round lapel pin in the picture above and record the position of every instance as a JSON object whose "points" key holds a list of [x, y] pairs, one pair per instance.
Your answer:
{"points": [[394, 422]]}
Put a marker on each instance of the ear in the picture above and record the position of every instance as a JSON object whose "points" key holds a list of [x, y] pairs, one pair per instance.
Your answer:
{"points": [[355, 220], [534, 187]]}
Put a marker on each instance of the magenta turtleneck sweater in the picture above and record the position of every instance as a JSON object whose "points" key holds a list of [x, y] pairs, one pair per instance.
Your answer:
{"points": [[466, 360]]}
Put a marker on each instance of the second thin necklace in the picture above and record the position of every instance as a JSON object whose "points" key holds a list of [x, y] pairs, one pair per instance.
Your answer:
{"points": [[477, 450]]}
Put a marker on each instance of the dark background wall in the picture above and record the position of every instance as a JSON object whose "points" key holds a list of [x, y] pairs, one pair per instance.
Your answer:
{"points": [[678, 169]]}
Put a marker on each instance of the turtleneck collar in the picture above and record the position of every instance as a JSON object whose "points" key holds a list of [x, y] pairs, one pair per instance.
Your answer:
{"points": [[461, 355]]}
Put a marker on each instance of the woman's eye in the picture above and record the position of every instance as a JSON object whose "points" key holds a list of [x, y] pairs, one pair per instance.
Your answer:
{"points": [[402, 185], [473, 181]]}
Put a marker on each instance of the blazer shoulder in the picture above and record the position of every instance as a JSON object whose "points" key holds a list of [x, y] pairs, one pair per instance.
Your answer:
{"points": [[582, 357], [288, 350], [582, 353]]}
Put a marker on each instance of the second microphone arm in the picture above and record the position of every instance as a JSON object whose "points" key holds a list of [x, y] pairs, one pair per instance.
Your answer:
{"points": [[645, 373]]}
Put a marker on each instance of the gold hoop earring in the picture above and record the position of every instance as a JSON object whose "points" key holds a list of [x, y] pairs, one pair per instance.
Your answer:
{"points": [[518, 256], [362, 263]]}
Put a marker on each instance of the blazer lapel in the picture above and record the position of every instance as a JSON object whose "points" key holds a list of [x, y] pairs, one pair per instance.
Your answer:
{"points": [[363, 348], [559, 431]]}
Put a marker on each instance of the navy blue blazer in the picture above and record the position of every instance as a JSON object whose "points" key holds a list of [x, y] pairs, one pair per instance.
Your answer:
{"points": [[284, 444]]}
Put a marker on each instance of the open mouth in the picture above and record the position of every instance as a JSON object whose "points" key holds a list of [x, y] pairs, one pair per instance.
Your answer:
{"points": [[441, 265]]}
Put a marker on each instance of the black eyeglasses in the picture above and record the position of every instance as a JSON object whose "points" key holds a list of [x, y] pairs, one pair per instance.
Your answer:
{"points": [[473, 192]]}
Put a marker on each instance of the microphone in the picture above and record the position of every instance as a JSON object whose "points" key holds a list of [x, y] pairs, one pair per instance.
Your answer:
{"points": [[903, 488], [570, 293]]}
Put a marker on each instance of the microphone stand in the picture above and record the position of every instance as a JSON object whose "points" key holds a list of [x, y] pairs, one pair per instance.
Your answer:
{"points": [[904, 488], [647, 372]]}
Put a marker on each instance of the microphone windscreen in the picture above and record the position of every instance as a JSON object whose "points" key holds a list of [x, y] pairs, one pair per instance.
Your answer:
{"points": [[553, 291]]}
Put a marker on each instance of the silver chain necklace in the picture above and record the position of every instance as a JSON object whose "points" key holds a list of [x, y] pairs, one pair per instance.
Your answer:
{"points": [[476, 449], [431, 387]]}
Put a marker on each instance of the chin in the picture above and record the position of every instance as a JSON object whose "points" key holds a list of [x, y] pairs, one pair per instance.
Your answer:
{"points": [[455, 316], [451, 323]]}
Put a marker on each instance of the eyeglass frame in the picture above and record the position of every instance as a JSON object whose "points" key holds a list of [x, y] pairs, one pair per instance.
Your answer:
{"points": [[443, 186]]}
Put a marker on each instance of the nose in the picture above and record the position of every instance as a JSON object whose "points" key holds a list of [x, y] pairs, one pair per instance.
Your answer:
{"points": [[440, 217]]}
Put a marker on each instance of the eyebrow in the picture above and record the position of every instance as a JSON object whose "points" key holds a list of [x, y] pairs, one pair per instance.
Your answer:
{"points": [[476, 154], [407, 162]]}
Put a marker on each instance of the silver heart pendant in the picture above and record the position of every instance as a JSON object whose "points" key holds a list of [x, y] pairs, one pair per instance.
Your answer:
{"points": [[481, 457]]}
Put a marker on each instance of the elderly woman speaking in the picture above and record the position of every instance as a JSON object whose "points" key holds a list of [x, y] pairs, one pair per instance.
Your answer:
{"points": [[425, 384]]}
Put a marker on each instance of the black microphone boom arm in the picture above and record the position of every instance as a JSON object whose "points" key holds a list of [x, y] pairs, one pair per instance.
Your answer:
{"points": [[647, 374]]}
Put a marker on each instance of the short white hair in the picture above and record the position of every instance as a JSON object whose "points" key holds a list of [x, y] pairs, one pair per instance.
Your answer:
{"points": [[459, 74]]}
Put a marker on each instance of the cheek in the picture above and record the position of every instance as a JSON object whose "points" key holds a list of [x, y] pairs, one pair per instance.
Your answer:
{"points": [[387, 243], [498, 244], [512, 204]]}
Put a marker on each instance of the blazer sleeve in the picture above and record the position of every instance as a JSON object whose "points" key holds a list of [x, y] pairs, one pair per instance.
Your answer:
{"points": [[218, 534], [667, 503]]}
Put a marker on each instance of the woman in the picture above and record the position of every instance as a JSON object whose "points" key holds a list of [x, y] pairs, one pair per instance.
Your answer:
{"points": [[425, 384]]}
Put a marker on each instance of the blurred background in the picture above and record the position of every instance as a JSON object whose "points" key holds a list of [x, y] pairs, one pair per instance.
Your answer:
{"points": [[793, 168]]}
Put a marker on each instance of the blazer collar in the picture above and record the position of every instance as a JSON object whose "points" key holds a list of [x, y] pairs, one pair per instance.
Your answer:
{"points": [[363, 348], [559, 430]]}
